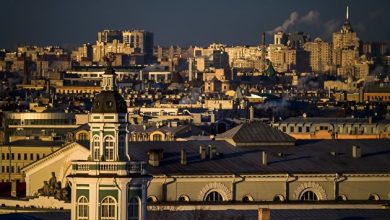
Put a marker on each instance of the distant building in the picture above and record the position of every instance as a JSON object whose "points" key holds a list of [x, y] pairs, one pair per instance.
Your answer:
{"points": [[377, 93], [334, 128], [345, 49], [320, 55]]}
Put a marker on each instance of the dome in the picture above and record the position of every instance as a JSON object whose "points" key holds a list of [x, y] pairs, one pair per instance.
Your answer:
{"points": [[109, 102]]}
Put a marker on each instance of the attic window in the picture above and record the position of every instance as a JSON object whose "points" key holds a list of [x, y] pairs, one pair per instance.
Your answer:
{"points": [[109, 103]]}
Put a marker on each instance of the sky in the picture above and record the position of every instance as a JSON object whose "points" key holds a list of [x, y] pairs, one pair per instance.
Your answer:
{"points": [[186, 22]]}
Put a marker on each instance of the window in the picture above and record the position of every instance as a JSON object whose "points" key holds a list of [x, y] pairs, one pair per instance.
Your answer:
{"points": [[109, 148], [247, 199], [96, 148], [108, 207], [214, 197], [156, 137], [184, 198], [133, 208], [309, 196], [373, 197], [31, 156], [82, 208], [83, 137], [37, 156], [278, 198]]}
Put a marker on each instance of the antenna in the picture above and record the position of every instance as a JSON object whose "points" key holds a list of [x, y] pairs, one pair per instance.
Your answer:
{"points": [[347, 13]]}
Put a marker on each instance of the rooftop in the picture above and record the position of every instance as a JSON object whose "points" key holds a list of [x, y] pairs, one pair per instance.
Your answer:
{"points": [[305, 157]]}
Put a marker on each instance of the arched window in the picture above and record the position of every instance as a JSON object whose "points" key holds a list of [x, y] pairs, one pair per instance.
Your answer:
{"points": [[133, 207], [373, 197], [156, 137], [82, 136], [82, 208], [108, 209], [109, 148], [279, 198], [96, 148], [184, 198], [214, 196], [342, 198], [309, 196], [247, 198]]}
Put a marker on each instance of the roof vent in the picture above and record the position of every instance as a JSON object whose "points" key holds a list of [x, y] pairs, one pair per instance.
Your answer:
{"points": [[264, 158], [202, 153], [356, 152], [183, 157], [155, 156], [212, 152]]}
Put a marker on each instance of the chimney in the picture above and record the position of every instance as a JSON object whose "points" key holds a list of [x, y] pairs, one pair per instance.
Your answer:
{"points": [[263, 158], [264, 214], [183, 157], [369, 119], [263, 39], [202, 153], [356, 152], [212, 152], [251, 113], [154, 158]]}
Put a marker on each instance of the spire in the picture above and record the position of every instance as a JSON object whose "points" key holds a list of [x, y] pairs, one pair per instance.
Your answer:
{"points": [[347, 13], [109, 76]]}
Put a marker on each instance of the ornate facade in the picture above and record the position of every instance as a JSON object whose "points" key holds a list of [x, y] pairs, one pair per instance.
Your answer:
{"points": [[109, 185]]}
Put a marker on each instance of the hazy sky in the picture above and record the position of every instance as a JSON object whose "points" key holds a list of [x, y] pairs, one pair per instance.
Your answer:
{"points": [[186, 22]]}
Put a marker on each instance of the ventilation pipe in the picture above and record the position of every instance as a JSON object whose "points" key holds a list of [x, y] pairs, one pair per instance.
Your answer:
{"points": [[264, 158], [356, 152], [183, 157]]}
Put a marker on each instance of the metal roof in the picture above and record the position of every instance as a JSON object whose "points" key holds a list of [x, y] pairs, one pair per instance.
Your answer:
{"points": [[305, 157], [256, 132]]}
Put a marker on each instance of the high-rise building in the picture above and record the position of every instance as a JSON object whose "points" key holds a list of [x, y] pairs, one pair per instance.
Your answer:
{"points": [[280, 38], [345, 47], [107, 36], [129, 42], [320, 55]]}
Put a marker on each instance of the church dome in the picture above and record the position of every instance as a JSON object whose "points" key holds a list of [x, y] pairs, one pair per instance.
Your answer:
{"points": [[109, 102]]}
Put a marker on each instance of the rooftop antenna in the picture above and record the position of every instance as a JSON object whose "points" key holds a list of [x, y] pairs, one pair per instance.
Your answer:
{"points": [[347, 13]]}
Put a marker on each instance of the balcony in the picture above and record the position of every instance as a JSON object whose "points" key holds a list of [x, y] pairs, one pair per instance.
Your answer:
{"points": [[94, 168]]}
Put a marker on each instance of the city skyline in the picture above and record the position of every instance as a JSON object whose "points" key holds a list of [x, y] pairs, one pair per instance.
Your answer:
{"points": [[173, 25]]}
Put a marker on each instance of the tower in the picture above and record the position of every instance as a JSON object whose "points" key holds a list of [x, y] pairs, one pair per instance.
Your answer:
{"points": [[110, 185]]}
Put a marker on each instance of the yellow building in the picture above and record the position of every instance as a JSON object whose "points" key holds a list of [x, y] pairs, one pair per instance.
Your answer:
{"points": [[320, 55], [78, 89], [282, 57], [19, 154]]}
